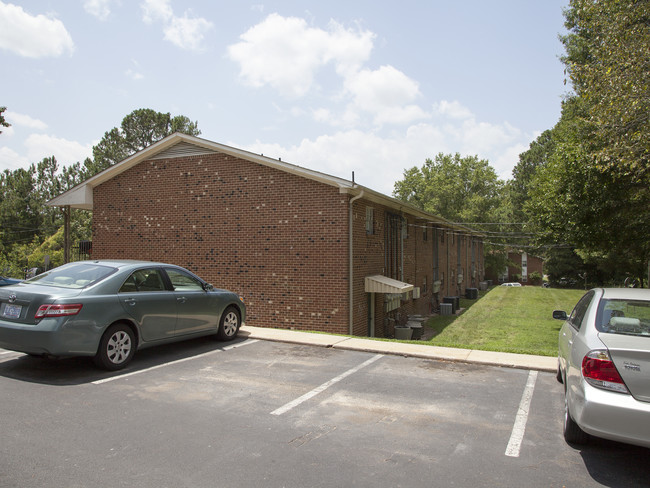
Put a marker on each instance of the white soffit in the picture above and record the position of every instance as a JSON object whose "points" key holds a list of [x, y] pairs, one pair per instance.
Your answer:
{"points": [[383, 284]]}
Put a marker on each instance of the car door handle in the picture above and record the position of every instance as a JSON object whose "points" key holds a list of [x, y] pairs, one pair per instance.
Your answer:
{"points": [[181, 299], [129, 301]]}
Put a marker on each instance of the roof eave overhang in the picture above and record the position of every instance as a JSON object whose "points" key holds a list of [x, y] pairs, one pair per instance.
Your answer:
{"points": [[407, 208], [81, 195]]}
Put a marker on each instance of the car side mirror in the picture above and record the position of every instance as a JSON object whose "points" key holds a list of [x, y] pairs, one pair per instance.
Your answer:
{"points": [[208, 287], [560, 315]]}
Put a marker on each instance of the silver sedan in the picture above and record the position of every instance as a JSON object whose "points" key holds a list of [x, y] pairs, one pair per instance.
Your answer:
{"points": [[109, 309], [604, 364]]}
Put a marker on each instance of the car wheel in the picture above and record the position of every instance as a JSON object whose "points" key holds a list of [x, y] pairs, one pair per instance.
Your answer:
{"points": [[229, 324], [117, 347], [573, 434]]}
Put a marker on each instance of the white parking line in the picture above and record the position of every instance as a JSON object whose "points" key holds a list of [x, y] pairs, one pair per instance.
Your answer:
{"points": [[285, 408], [518, 430], [6, 356], [227, 348]]}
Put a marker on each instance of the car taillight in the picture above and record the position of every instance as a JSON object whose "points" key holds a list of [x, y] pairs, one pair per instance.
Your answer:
{"points": [[599, 371], [50, 310]]}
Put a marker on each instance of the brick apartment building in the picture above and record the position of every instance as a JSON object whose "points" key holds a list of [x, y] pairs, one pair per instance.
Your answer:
{"points": [[306, 250], [521, 266]]}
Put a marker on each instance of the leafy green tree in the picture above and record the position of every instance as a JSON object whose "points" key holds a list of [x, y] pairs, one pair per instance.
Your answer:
{"points": [[460, 189], [537, 155], [608, 63], [140, 129], [20, 212], [592, 192], [3, 122], [573, 202], [29, 229]]}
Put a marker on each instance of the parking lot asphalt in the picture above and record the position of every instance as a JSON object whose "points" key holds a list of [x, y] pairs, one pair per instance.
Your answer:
{"points": [[503, 359], [275, 413]]}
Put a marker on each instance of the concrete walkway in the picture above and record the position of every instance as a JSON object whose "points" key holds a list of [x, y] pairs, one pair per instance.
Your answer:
{"points": [[521, 361]]}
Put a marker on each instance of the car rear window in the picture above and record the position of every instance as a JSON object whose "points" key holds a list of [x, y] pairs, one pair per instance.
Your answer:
{"points": [[629, 317], [75, 275]]}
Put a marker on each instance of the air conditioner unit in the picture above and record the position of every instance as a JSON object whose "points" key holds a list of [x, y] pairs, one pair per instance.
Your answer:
{"points": [[392, 302], [436, 286], [416, 292]]}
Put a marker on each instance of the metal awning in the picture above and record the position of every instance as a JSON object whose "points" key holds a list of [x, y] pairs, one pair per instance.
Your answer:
{"points": [[383, 284]]}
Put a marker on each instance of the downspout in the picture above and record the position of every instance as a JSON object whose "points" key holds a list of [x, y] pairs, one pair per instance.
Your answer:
{"points": [[403, 223], [448, 268], [66, 234], [350, 266]]}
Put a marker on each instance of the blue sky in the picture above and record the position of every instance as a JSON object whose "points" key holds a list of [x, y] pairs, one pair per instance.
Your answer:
{"points": [[367, 86]]}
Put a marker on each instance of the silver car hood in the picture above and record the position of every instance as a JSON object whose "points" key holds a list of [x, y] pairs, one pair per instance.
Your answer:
{"points": [[631, 355]]}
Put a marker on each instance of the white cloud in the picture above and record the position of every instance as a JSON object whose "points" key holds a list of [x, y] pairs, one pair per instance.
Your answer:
{"points": [[98, 8], [506, 160], [453, 109], [285, 53], [378, 161], [10, 159], [135, 73], [41, 146], [157, 10], [186, 32], [24, 120], [387, 94], [32, 36], [500, 143]]}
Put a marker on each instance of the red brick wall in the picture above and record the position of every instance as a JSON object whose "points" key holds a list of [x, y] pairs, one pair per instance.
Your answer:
{"points": [[418, 262], [534, 264], [278, 239]]}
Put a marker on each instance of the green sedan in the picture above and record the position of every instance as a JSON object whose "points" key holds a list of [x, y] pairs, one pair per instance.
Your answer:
{"points": [[110, 309]]}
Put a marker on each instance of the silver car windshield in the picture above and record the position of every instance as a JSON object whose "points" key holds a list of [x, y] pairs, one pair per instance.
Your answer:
{"points": [[629, 317], [75, 275]]}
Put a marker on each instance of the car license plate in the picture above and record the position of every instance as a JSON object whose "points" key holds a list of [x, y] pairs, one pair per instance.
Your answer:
{"points": [[12, 311]]}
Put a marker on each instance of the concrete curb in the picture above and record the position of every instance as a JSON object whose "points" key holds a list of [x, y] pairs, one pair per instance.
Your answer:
{"points": [[503, 359]]}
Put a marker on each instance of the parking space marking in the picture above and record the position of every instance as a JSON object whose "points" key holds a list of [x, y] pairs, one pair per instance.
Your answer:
{"points": [[6, 356], [293, 404], [519, 428], [227, 348]]}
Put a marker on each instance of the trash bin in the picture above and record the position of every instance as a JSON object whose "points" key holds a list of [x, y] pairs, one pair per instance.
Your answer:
{"points": [[417, 330], [403, 333]]}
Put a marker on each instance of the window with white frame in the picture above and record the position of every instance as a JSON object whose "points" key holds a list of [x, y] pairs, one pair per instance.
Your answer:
{"points": [[370, 219]]}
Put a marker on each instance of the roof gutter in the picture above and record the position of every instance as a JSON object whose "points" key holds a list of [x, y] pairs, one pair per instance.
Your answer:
{"points": [[351, 264]]}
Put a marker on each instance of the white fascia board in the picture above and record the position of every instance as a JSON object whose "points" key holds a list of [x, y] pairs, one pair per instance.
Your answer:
{"points": [[81, 196]]}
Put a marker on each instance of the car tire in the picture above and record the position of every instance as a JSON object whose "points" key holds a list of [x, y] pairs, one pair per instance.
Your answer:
{"points": [[116, 348], [229, 324], [573, 434]]}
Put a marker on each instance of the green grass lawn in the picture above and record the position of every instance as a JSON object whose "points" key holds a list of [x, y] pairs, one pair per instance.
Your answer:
{"points": [[508, 319]]}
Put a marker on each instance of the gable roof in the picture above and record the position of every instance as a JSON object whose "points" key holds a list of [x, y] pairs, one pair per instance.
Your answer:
{"points": [[180, 145]]}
